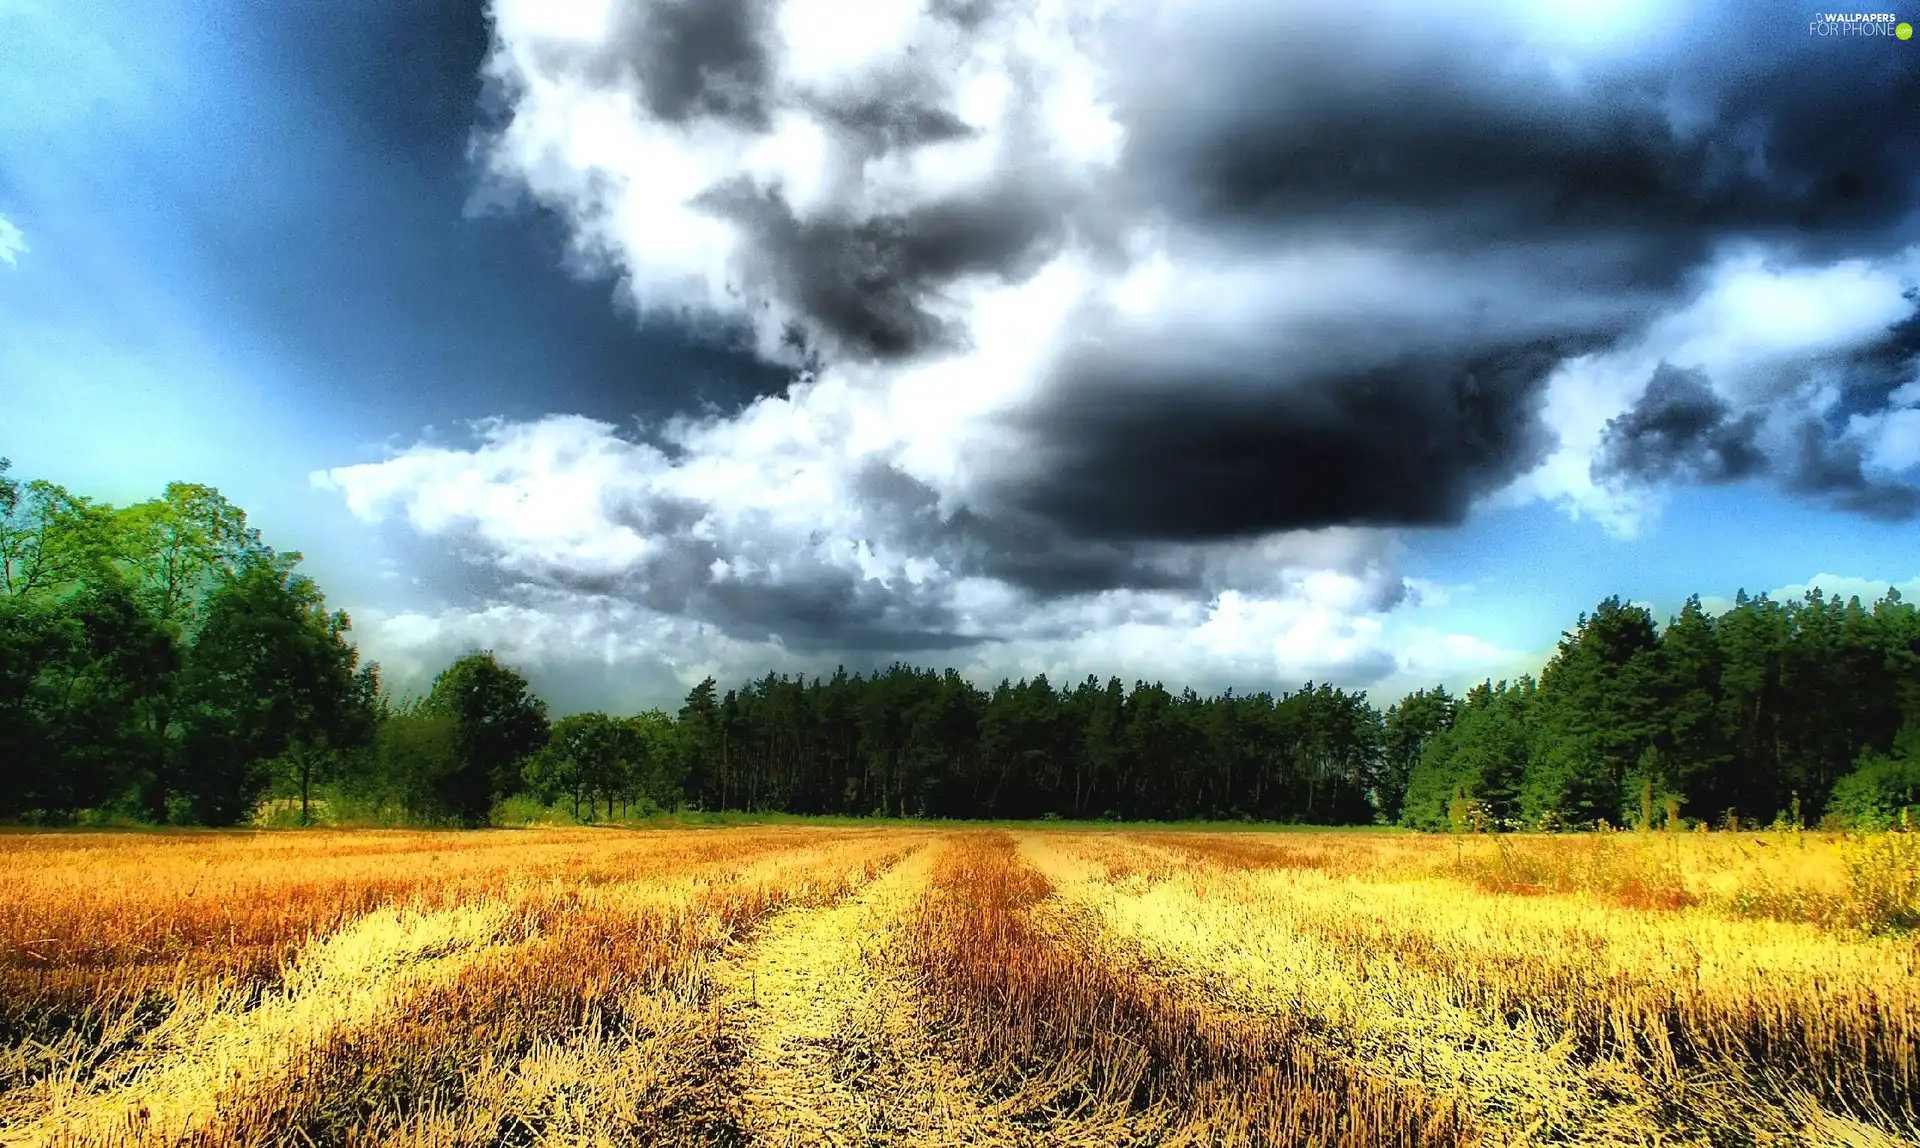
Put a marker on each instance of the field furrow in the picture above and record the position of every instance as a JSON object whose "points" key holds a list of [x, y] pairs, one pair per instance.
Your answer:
{"points": [[1551, 1022], [104, 945], [382, 1023], [921, 987], [794, 996], [1075, 1043]]}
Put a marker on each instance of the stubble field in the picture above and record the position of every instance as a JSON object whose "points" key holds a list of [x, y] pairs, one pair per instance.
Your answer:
{"points": [[798, 985]]}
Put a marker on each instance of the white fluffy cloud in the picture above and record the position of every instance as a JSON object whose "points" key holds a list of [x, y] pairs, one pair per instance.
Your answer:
{"points": [[648, 564], [13, 243], [1757, 330]]}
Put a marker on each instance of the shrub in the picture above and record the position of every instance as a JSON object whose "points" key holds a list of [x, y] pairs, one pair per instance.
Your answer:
{"points": [[1872, 796]]}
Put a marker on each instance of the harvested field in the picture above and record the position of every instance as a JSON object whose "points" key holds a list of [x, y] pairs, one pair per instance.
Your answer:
{"points": [[888, 985]]}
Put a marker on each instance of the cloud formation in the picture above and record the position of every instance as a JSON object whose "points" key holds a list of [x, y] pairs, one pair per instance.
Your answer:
{"points": [[815, 556], [13, 243], [1826, 424], [1113, 315], [1801, 376], [1679, 428]]}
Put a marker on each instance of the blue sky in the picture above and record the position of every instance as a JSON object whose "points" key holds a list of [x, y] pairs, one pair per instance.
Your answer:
{"points": [[506, 366]]}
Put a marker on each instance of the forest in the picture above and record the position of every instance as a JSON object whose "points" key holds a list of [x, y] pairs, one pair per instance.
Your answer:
{"points": [[161, 664]]}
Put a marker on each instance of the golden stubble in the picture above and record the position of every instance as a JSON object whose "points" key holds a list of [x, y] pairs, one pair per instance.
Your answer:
{"points": [[1555, 1018], [907, 986]]}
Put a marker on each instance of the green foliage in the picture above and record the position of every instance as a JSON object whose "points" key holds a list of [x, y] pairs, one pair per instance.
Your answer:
{"points": [[50, 539], [1881, 786], [269, 675], [1482, 756], [180, 546], [1599, 714], [1460, 817], [922, 743], [657, 760], [497, 723], [75, 676], [160, 662], [1750, 717], [415, 758], [525, 810], [588, 757], [1406, 731]]}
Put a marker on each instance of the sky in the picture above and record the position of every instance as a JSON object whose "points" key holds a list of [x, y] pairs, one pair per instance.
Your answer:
{"points": [[1221, 344]]}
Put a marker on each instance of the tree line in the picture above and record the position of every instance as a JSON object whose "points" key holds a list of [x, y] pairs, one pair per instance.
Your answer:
{"points": [[160, 663]]}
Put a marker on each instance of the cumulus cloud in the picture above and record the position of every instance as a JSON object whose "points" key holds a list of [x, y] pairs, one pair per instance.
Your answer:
{"points": [[1307, 266], [1797, 375], [708, 552], [13, 243], [1115, 326], [1680, 427]]}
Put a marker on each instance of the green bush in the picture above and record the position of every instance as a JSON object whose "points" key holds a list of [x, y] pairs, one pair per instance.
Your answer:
{"points": [[1872, 796], [522, 810]]}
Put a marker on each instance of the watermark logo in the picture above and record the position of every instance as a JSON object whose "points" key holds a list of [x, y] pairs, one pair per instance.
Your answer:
{"points": [[1859, 24]]}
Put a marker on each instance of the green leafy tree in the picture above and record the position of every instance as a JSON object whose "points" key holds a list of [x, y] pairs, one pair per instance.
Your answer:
{"points": [[269, 675], [498, 722], [583, 758], [178, 548], [658, 759], [1881, 785], [74, 673], [415, 757], [50, 539]]}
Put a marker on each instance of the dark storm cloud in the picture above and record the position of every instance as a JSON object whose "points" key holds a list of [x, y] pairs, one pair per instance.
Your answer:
{"points": [[1458, 141], [755, 581], [1871, 374], [804, 603], [898, 115], [1513, 215], [1821, 465], [812, 603], [1147, 446], [869, 286], [1589, 196], [1022, 550], [1823, 461], [1680, 429]]}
